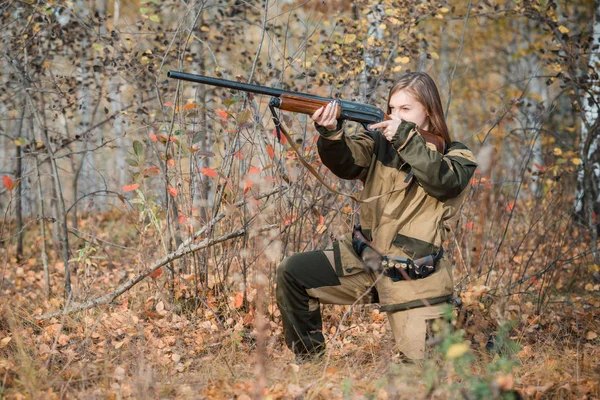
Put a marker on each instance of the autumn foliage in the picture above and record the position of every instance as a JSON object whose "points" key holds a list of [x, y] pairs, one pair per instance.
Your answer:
{"points": [[143, 218]]}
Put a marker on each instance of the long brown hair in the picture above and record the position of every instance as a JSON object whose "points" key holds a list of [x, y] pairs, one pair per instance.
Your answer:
{"points": [[424, 90]]}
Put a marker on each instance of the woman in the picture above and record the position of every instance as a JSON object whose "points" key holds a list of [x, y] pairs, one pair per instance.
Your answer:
{"points": [[410, 192]]}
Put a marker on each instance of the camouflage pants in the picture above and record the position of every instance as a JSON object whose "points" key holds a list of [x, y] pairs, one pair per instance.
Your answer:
{"points": [[306, 280]]}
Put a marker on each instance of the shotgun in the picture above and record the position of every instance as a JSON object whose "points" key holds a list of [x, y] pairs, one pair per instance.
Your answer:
{"points": [[303, 103]]}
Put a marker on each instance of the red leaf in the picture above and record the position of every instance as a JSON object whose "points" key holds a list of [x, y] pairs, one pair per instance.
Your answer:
{"points": [[270, 151], [238, 154], [282, 138], [222, 114], [211, 173], [182, 219], [510, 206], [168, 104], [153, 137], [469, 225], [538, 166], [172, 191], [239, 300], [131, 188], [253, 170], [8, 182], [190, 106], [171, 162], [289, 219], [156, 273]]}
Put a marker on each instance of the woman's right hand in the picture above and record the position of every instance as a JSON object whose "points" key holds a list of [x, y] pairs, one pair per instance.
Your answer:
{"points": [[327, 116]]}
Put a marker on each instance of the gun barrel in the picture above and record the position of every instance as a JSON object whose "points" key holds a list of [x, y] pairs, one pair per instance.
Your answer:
{"points": [[246, 87]]}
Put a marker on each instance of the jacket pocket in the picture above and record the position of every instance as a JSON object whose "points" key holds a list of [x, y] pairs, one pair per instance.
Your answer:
{"points": [[347, 262]]}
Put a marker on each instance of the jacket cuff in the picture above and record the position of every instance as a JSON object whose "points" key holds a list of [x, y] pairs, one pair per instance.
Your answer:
{"points": [[405, 132], [331, 134]]}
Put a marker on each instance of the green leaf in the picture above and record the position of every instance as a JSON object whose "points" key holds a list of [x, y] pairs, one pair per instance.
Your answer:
{"points": [[229, 102], [179, 132], [144, 10], [138, 148], [131, 162], [155, 18], [197, 137]]}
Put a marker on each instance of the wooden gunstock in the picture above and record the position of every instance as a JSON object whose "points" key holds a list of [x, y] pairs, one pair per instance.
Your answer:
{"points": [[302, 105]]}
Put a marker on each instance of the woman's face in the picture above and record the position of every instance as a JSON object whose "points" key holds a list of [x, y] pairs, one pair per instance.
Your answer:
{"points": [[404, 106]]}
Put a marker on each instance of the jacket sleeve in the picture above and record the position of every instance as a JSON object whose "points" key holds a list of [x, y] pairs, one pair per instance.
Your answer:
{"points": [[443, 176], [348, 157]]}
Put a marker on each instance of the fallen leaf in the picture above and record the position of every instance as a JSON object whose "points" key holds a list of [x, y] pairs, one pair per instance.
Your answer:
{"points": [[4, 342], [457, 350]]}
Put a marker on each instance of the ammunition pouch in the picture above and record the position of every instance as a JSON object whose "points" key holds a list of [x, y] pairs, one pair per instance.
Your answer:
{"points": [[398, 268], [402, 268]]}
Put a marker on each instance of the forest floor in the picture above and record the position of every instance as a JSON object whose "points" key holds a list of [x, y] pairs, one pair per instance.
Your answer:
{"points": [[146, 345]]}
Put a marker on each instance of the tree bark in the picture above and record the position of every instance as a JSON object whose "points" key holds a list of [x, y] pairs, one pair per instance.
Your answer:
{"points": [[587, 195]]}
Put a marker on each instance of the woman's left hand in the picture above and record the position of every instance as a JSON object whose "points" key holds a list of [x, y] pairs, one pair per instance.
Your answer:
{"points": [[388, 128]]}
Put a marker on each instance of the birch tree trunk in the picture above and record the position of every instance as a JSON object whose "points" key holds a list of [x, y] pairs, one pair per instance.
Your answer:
{"points": [[587, 195]]}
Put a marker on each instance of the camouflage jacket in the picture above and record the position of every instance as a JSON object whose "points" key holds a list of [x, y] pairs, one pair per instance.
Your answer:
{"points": [[408, 221]]}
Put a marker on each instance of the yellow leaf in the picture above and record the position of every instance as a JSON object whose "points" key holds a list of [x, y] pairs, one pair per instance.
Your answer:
{"points": [[155, 18], [350, 38], [457, 350], [576, 161], [591, 335], [204, 28], [589, 287], [389, 12], [308, 64], [563, 29], [402, 60], [557, 151], [5, 341], [435, 56], [382, 27], [397, 68], [444, 10]]}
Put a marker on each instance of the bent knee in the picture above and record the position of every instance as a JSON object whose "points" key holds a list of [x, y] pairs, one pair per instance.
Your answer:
{"points": [[288, 268]]}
